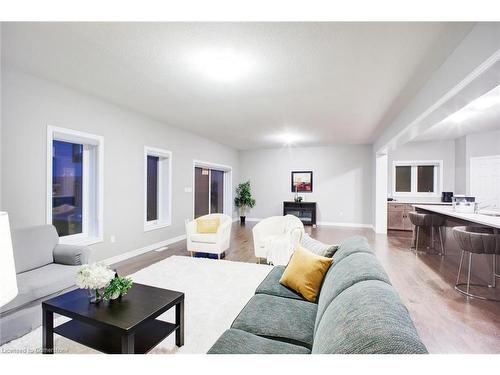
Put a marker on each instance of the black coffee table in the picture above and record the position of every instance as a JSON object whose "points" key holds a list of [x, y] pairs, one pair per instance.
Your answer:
{"points": [[125, 326]]}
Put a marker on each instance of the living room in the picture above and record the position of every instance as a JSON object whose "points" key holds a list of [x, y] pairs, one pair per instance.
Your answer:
{"points": [[249, 187]]}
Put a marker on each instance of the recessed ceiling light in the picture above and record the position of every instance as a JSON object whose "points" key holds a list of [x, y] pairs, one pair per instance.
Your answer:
{"points": [[223, 64], [287, 138]]}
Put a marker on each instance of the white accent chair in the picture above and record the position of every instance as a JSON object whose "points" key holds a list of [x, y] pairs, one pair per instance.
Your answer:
{"points": [[212, 243], [276, 238]]}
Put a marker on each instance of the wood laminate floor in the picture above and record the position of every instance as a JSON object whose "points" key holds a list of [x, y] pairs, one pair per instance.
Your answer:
{"points": [[446, 321]]}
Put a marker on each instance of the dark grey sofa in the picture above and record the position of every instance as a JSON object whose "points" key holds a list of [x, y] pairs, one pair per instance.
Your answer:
{"points": [[358, 312], [44, 269]]}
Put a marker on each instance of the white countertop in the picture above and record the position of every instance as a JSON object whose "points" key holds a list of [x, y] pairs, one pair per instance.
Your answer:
{"points": [[423, 202], [490, 221]]}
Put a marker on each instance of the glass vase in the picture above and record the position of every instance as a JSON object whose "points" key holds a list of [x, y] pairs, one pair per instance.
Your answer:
{"points": [[95, 295]]}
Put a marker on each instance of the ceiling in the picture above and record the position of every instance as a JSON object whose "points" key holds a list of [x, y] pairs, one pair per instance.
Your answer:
{"points": [[478, 116], [325, 83]]}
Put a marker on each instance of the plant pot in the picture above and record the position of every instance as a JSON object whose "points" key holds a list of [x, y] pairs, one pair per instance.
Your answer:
{"points": [[115, 295], [242, 220]]}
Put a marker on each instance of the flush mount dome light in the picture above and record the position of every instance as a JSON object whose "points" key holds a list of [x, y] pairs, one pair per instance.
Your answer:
{"points": [[223, 64]]}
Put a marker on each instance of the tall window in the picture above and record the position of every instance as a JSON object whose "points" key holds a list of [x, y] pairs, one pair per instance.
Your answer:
{"points": [[416, 178], [157, 188], [67, 195], [74, 185]]}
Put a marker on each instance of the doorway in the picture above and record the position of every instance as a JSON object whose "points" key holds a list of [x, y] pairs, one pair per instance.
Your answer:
{"points": [[212, 189]]}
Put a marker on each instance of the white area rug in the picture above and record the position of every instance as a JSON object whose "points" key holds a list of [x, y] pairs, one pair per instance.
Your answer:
{"points": [[215, 292]]}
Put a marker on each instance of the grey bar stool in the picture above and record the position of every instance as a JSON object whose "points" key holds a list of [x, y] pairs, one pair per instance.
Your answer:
{"points": [[476, 240], [435, 222]]}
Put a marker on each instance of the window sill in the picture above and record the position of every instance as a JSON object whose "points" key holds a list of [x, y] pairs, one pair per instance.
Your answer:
{"points": [[417, 195], [149, 227], [81, 241]]}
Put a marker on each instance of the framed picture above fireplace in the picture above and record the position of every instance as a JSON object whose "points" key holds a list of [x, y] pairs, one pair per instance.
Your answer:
{"points": [[302, 181]]}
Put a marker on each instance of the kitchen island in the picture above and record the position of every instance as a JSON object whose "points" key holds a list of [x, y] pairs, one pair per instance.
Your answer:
{"points": [[482, 266], [486, 220]]}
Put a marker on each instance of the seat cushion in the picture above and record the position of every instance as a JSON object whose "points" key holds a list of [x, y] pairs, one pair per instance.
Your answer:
{"points": [[351, 270], [367, 318], [278, 318], [235, 341], [354, 244], [204, 237], [271, 285], [42, 282], [33, 246]]}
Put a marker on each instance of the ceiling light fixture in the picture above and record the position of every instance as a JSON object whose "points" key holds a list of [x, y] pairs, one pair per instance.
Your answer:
{"points": [[223, 64], [288, 138]]}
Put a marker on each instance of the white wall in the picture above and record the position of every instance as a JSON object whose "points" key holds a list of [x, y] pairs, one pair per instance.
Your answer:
{"points": [[438, 150], [477, 145], [460, 165], [341, 187], [30, 104]]}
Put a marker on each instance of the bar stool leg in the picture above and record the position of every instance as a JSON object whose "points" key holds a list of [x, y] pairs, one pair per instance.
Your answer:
{"points": [[468, 275], [494, 285], [416, 240], [460, 268], [441, 240]]}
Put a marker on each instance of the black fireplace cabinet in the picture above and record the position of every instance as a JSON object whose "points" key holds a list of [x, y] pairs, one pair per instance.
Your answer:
{"points": [[305, 211]]}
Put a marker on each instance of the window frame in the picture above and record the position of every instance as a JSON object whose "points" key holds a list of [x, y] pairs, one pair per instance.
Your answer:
{"points": [[164, 209], [414, 164], [92, 192]]}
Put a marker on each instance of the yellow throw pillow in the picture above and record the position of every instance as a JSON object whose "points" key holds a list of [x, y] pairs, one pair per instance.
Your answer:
{"points": [[305, 272], [207, 225]]}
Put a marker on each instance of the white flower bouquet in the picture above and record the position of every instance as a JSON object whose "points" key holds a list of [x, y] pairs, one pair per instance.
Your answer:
{"points": [[94, 277]]}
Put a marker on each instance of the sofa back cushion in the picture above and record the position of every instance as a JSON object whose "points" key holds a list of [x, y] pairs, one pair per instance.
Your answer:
{"points": [[354, 244], [353, 269], [33, 246], [367, 318]]}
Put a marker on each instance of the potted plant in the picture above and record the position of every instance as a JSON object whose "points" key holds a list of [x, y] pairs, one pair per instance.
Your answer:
{"points": [[244, 199], [118, 287]]}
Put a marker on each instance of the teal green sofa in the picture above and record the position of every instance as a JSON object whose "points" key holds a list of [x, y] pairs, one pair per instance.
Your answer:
{"points": [[358, 312]]}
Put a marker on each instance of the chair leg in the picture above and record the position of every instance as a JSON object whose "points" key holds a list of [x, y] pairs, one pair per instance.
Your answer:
{"points": [[468, 284], [494, 264], [416, 240], [468, 274], [443, 252], [460, 268]]}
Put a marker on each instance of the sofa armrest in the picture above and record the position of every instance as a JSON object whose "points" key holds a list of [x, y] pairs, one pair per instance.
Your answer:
{"points": [[71, 255]]}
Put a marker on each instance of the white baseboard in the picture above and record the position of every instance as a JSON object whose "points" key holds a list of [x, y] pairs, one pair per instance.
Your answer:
{"points": [[327, 223], [142, 250], [346, 225], [254, 219]]}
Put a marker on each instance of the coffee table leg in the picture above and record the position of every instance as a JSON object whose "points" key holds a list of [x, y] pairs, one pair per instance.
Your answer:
{"points": [[179, 321], [47, 332], [128, 344]]}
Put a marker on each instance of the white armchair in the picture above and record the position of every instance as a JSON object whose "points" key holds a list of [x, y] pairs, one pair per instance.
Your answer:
{"points": [[212, 243], [276, 238]]}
